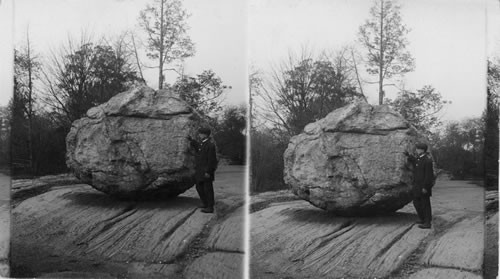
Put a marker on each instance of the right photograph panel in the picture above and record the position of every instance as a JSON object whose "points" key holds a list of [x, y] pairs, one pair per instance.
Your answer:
{"points": [[371, 138]]}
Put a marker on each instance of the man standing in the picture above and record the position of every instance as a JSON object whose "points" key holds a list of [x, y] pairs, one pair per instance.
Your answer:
{"points": [[423, 180], [206, 164]]}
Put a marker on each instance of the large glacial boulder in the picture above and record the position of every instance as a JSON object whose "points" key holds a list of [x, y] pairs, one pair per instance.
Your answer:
{"points": [[352, 162], [136, 142]]}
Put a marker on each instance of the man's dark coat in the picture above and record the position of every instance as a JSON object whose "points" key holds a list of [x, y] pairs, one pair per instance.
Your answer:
{"points": [[423, 174], [206, 161]]}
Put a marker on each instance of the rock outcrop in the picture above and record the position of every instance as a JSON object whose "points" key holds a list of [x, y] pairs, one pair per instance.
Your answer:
{"points": [[442, 273], [352, 162], [75, 231], [135, 142], [292, 239], [295, 240], [5, 222], [462, 246]]}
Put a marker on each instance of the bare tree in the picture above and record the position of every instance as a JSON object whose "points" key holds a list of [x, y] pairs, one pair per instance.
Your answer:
{"points": [[254, 86], [136, 56], [303, 89], [491, 132], [26, 69], [384, 37], [165, 24], [85, 73], [421, 108]]}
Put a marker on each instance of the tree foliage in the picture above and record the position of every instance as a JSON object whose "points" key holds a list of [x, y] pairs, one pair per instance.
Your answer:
{"points": [[304, 90], [67, 84], [204, 92], [384, 37], [255, 82], [4, 138], [37, 146], [491, 140], [458, 148], [266, 171], [164, 22], [230, 135], [301, 90], [26, 70], [420, 108], [78, 78]]}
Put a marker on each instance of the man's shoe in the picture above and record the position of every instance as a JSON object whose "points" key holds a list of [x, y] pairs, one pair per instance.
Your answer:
{"points": [[425, 226], [207, 210]]}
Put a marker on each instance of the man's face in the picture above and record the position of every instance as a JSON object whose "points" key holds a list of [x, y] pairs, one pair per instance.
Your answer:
{"points": [[420, 151], [202, 136]]}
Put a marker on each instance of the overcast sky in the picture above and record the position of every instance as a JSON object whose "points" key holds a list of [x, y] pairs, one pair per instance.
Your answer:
{"points": [[493, 28], [6, 57], [216, 27], [447, 39]]}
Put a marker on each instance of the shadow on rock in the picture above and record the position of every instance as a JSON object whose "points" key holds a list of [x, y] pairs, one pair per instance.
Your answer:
{"points": [[102, 200], [314, 215]]}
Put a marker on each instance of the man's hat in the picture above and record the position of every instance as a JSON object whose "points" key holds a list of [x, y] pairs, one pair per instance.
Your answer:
{"points": [[422, 146], [204, 130]]}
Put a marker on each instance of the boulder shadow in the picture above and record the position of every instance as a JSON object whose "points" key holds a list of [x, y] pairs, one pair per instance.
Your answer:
{"points": [[103, 200], [319, 216]]}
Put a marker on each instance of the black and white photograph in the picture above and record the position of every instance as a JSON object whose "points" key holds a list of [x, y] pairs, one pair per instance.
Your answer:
{"points": [[262, 139], [6, 83], [127, 139], [371, 141]]}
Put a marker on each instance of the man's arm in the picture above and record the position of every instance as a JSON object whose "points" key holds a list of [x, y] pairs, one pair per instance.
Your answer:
{"points": [[212, 159], [429, 174], [410, 157], [194, 144]]}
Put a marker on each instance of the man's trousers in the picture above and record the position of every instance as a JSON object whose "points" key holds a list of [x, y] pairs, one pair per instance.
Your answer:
{"points": [[423, 207], [206, 192]]}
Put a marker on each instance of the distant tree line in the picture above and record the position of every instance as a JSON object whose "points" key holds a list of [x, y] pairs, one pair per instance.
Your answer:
{"points": [[4, 140], [491, 132]]}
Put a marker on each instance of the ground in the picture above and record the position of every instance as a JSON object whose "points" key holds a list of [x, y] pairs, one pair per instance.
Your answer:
{"points": [[293, 239], [4, 223], [491, 250], [62, 229]]}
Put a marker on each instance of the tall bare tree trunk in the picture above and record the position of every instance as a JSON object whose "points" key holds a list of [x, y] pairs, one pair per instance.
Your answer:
{"points": [[160, 77], [381, 62], [30, 104], [357, 75], [137, 59]]}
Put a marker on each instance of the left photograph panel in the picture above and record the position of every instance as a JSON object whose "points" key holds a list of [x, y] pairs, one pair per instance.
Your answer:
{"points": [[127, 139], [6, 83]]}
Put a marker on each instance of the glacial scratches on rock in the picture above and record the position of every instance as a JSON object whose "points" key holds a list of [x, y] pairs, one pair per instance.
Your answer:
{"points": [[77, 232], [227, 236], [4, 239], [461, 246], [91, 224], [352, 161], [442, 273], [226, 243], [79, 275], [294, 238], [4, 231], [216, 265]]}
